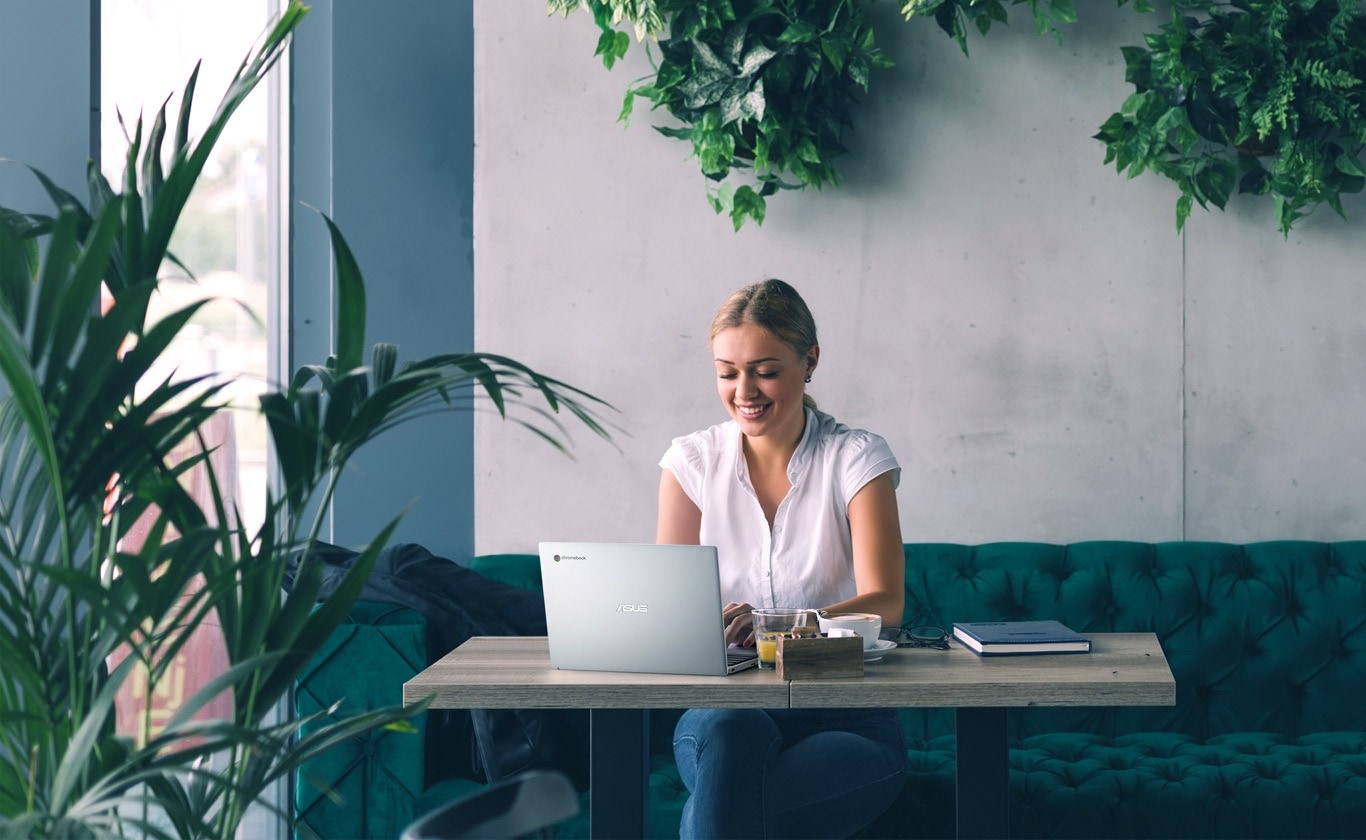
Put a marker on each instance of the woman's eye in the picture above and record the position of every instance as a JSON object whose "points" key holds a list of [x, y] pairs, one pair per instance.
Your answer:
{"points": [[726, 375], [767, 374]]}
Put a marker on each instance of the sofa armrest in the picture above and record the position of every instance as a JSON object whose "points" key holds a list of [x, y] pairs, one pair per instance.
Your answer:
{"points": [[365, 787]]}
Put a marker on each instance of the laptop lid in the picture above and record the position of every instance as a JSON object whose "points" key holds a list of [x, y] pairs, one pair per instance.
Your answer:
{"points": [[653, 609]]}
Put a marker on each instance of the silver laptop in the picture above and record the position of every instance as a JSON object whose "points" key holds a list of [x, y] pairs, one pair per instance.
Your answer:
{"points": [[653, 609]]}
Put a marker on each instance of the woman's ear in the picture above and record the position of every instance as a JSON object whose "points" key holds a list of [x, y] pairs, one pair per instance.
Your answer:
{"points": [[812, 357]]}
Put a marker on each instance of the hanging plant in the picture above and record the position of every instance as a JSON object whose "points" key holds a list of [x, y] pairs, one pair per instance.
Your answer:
{"points": [[955, 16], [763, 87], [1264, 97]]}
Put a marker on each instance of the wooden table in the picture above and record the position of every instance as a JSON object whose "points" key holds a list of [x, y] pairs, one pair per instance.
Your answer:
{"points": [[1123, 669]]}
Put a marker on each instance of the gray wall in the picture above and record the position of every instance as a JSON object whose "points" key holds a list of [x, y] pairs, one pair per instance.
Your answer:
{"points": [[1047, 357]]}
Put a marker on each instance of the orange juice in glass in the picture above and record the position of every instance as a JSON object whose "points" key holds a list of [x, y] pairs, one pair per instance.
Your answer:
{"points": [[770, 624]]}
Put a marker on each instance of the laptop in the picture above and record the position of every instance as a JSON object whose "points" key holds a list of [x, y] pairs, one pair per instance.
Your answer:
{"points": [[651, 609]]}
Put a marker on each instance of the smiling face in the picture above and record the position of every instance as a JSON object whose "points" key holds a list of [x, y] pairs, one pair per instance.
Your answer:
{"points": [[761, 381]]}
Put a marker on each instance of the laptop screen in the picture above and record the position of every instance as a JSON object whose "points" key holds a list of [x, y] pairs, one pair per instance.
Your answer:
{"points": [[633, 607]]}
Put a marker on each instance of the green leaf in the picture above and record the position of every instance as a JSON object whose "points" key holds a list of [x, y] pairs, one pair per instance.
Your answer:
{"points": [[858, 72], [755, 59], [1349, 164], [350, 301], [678, 133], [749, 203], [607, 48], [1183, 211], [706, 60], [798, 32], [1215, 182], [723, 200], [1062, 11], [16, 276], [702, 90], [753, 105], [836, 51]]}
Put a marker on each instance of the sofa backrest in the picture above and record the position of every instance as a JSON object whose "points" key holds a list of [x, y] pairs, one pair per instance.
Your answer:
{"points": [[1266, 636]]}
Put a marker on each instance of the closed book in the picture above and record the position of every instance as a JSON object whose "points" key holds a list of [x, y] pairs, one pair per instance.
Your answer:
{"points": [[994, 638]]}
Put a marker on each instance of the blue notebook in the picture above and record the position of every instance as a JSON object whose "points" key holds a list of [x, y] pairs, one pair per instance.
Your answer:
{"points": [[993, 638]]}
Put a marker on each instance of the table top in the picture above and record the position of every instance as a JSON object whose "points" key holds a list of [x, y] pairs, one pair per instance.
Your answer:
{"points": [[1122, 669], [513, 672]]}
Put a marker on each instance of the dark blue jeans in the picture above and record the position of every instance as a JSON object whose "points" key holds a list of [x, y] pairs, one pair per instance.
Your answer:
{"points": [[787, 772]]}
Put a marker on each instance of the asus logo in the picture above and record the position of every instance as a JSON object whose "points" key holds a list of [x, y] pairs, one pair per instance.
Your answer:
{"points": [[632, 608]]}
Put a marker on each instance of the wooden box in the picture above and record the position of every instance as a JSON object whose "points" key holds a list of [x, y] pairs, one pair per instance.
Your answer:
{"points": [[820, 658]]}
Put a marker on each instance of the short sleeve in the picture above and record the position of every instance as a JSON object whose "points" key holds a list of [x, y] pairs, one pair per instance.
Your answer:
{"points": [[866, 456], [684, 460]]}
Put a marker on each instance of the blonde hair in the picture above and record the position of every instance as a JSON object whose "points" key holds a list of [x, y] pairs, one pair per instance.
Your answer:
{"points": [[774, 307]]}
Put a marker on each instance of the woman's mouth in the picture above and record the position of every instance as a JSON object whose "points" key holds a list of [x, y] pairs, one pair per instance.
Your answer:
{"points": [[751, 412]]}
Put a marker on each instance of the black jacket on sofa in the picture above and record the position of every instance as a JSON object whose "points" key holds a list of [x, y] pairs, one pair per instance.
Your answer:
{"points": [[458, 603]]}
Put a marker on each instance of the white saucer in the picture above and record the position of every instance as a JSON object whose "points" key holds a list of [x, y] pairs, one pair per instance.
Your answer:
{"points": [[879, 647]]}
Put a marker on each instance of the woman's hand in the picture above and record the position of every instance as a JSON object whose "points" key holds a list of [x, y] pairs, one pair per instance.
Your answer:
{"points": [[739, 621]]}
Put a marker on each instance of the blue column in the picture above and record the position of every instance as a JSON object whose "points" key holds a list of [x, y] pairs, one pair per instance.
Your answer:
{"points": [[382, 139], [49, 99], [49, 102]]}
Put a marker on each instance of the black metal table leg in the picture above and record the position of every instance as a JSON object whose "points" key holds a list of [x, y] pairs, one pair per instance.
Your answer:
{"points": [[983, 774], [618, 771]]}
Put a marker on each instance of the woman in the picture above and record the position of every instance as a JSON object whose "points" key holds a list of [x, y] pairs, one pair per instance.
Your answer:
{"points": [[802, 510]]}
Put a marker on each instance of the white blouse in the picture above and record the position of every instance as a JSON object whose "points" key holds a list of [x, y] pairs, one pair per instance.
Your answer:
{"points": [[807, 560]]}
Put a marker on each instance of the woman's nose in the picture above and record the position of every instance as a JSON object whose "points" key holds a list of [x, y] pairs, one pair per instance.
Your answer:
{"points": [[747, 386]]}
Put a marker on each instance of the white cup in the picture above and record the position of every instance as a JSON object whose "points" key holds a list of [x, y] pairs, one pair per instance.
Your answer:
{"points": [[866, 625]]}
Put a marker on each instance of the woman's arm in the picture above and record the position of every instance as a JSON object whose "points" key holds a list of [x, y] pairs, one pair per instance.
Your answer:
{"points": [[680, 521], [879, 557]]}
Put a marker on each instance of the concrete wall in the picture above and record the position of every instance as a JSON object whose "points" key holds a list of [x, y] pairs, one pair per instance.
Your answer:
{"points": [[1048, 358]]}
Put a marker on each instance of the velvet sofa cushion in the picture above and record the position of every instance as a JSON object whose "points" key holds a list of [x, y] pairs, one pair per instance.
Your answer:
{"points": [[1167, 784]]}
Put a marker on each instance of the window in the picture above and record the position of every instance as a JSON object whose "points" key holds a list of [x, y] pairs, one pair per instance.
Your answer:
{"points": [[228, 238]]}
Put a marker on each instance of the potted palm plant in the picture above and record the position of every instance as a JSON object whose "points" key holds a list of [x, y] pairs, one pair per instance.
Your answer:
{"points": [[85, 452]]}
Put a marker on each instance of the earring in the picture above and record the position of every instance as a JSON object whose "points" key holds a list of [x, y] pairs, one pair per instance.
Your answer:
{"points": [[808, 377]]}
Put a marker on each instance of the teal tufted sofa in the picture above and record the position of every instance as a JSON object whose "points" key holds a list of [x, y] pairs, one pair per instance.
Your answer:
{"points": [[1267, 642]]}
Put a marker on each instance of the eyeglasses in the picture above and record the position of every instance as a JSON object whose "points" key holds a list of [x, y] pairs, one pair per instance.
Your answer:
{"points": [[920, 636]]}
